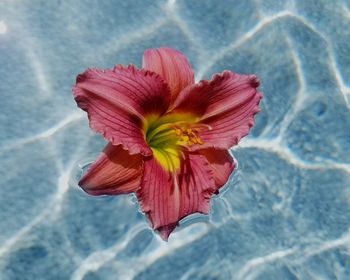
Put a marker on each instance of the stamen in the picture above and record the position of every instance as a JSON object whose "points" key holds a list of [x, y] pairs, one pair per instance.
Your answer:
{"points": [[181, 128], [168, 140], [158, 129], [200, 126], [189, 135]]}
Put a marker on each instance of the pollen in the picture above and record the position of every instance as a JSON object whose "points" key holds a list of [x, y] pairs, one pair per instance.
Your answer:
{"points": [[169, 136], [188, 136]]}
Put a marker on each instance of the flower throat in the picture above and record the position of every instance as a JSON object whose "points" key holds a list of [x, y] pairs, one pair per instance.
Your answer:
{"points": [[169, 135]]}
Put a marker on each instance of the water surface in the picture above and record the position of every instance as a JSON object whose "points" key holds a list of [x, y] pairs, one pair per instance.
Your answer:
{"points": [[285, 213]]}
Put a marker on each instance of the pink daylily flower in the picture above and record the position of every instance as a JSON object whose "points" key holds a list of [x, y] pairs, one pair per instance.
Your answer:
{"points": [[168, 136]]}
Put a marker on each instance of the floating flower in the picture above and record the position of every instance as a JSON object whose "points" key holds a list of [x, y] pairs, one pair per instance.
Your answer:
{"points": [[168, 137]]}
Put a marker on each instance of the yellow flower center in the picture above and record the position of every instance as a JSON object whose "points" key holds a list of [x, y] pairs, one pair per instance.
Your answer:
{"points": [[169, 135]]}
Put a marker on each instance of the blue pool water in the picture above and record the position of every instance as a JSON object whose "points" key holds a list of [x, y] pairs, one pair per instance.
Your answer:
{"points": [[285, 213]]}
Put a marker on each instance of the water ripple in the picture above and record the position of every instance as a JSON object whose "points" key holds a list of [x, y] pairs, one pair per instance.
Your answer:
{"points": [[269, 220]]}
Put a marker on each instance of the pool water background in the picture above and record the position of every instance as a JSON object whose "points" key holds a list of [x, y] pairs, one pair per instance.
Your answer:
{"points": [[285, 213]]}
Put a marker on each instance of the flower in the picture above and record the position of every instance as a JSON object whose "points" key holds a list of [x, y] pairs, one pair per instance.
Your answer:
{"points": [[168, 136]]}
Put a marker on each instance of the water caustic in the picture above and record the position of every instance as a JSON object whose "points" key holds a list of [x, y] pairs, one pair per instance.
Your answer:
{"points": [[286, 215]]}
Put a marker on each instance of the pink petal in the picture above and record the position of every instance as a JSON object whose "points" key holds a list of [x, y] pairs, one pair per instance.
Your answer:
{"points": [[221, 164], [227, 104], [113, 172], [116, 102], [172, 66], [167, 198]]}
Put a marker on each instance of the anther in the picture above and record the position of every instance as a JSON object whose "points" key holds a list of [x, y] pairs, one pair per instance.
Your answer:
{"points": [[178, 131]]}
